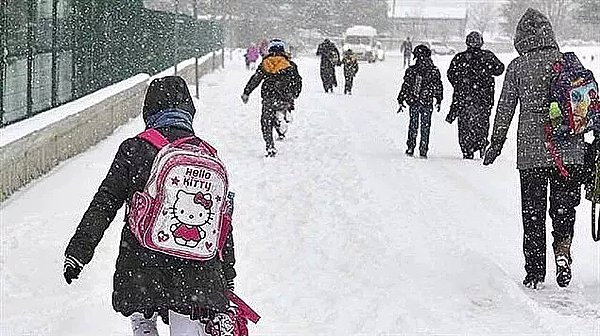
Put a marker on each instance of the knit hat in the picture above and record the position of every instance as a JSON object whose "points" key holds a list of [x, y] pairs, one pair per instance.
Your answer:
{"points": [[474, 40], [276, 46], [422, 51]]}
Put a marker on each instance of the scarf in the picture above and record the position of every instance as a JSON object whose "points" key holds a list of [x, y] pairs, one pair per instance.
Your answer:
{"points": [[171, 117]]}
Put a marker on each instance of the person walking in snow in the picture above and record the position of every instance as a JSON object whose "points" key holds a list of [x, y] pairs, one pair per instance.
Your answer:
{"points": [[186, 293], [527, 83], [350, 69], [422, 85], [406, 49], [252, 56], [282, 84], [330, 58], [471, 73]]}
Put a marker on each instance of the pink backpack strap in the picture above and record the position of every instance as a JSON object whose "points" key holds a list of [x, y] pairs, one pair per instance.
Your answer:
{"points": [[154, 137], [210, 149]]}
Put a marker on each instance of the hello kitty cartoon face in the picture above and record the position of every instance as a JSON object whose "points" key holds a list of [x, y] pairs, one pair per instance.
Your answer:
{"points": [[193, 209]]}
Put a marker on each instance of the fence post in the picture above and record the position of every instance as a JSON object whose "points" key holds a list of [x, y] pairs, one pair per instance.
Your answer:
{"points": [[197, 79]]}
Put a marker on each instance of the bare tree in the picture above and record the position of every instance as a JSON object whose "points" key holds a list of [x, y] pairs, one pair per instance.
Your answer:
{"points": [[482, 16], [560, 13]]}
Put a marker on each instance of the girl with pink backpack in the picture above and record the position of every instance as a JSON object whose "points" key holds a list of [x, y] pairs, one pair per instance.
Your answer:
{"points": [[176, 257]]}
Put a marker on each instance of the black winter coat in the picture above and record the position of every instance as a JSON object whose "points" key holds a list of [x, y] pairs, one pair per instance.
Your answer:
{"points": [[422, 84], [282, 82], [350, 66], [471, 73], [330, 55], [146, 281]]}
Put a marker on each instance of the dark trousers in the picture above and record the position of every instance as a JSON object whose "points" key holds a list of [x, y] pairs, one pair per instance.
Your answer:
{"points": [[565, 195], [269, 121], [422, 112], [349, 84], [473, 128], [328, 78]]}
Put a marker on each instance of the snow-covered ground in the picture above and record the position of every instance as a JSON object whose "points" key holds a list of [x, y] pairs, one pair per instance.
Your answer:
{"points": [[341, 234]]}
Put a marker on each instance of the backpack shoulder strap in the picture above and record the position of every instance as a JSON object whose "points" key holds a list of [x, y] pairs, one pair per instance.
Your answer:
{"points": [[210, 149], [154, 137]]}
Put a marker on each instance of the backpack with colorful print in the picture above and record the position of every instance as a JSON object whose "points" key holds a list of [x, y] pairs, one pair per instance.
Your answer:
{"points": [[575, 105], [185, 209]]}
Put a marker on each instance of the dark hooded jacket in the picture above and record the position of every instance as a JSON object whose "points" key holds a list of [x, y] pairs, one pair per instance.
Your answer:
{"points": [[471, 73], [422, 83], [280, 78], [330, 55], [527, 83], [146, 281]]}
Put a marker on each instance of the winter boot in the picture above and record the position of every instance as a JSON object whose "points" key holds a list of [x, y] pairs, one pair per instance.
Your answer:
{"points": [[423, 155], [563, 271], [142, 326], [271, 152], [562, 256], [468, 156], [533, 281], [410, 152]]}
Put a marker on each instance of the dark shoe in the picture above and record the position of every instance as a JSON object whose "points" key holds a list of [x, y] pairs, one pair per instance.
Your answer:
{"points": [[410, 152], [271, 152], [423, 155], [468, 156], [533, 282], [563, 271]]}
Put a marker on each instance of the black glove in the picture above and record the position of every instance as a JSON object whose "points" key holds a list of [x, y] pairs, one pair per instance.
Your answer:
{"points": [[493, 152], [449, 119], [401, 108], [72, 268], [438, 105], [230, 285]]}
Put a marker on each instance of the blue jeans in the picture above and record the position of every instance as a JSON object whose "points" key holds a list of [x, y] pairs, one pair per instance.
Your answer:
{"points": [[423, 112]]}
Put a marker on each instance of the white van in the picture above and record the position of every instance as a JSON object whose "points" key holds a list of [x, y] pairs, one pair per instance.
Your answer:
{"points": [[361, 39]]}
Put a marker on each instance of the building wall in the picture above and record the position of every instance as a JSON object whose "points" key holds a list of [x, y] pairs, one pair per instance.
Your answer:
{"points": [[430, 29]]}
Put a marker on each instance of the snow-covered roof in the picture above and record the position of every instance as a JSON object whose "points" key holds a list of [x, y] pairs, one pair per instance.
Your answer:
{"points": [[361, 31], [428, 12]]}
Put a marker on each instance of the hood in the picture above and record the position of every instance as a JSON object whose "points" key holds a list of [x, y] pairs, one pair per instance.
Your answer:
{"points": [[165, 94], [275, 63], [534, 31]]}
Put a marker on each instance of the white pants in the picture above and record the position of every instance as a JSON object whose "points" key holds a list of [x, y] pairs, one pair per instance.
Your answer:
{"points": [[179, 325]]}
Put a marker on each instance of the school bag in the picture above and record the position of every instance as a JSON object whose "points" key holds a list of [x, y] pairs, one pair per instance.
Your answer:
{"points": [[235, 321], [574, 104], [185, 208]]}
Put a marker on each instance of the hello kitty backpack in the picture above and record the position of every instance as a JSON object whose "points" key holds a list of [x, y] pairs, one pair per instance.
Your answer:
{"points": [[185, 209]]}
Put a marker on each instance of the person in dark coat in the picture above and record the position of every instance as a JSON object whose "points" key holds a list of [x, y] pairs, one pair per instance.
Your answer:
{"points": [[330, 58], [406, 49], [422, 85], [147, 282], [527, 84], [471, 73], [350, 69], [282, 84]]}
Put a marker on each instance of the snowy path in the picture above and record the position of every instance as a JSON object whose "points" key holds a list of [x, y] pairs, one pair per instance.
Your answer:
{"points": [[341, 234]]}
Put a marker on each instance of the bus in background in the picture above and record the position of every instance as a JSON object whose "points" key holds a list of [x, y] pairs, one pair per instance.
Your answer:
{"points": [[361, 39]]}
